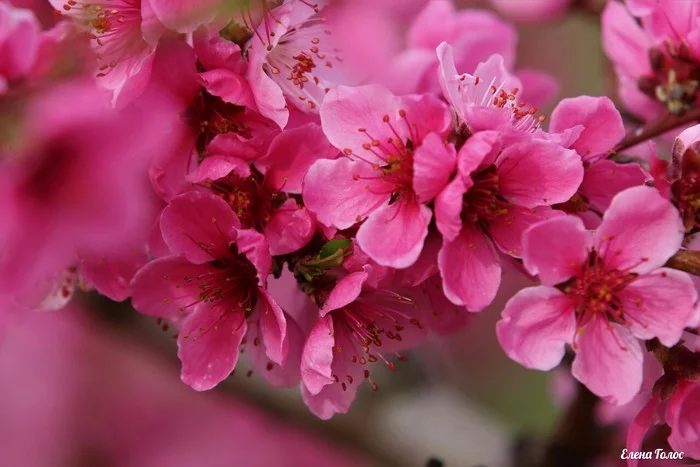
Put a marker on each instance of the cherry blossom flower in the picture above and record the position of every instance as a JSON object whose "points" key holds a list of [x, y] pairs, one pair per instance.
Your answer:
{"points": [[212, 287], [358, 325], [601, 292], [502, 188], [292, 60], [395, 161], [657, 62]]}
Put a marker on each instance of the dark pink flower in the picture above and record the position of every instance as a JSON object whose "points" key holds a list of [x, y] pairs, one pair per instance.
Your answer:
{"points": [[395, 162], [212, 287], [263, 199], [502, 188], [358, 325], [611, 290], [658, 61]]}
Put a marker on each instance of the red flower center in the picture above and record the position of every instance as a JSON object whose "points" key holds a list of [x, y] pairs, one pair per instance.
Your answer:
{"points": [[482, 202], [675, 79]]}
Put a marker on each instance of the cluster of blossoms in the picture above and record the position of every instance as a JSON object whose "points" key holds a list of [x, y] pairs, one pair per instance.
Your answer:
{"points": [[257, 180]]}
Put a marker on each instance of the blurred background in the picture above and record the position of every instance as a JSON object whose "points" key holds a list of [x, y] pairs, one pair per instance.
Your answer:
{"points": [[97, 385]]}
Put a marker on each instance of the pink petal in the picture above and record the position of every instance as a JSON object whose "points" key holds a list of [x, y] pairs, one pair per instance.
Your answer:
{"points": [[269, 98], [537, 173], [448, 208], [433, 165], [535, 327], [345, 292], [273, 327], [111, 275], [352, 197], [345, 110], [291, 154], [608, 361], [624, 41], [229, 86], [424, 268], [256, 249], [683, 416], [288, 374], [604, 179], [317, 357], [479, 151], [638, 428], [216, 167], [198, 226], [289, 228], [555, 249], [444, 317], [507, 230], [393, 235], [208, 345], [19, 41], [602, 123], [470, 270], [640, 231], [659, 304], [160, 289]]}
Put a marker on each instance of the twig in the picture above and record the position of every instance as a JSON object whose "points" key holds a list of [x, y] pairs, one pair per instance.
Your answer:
{"points": [[666, 122], [686, 260]]}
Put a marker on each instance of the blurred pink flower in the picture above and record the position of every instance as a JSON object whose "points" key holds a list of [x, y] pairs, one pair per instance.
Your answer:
{"points": [[19, 43], [358, 325], [505, 183], [613, 291], [657, 61], [212, 287], [413, 70], [394, 157], [75, 183]]}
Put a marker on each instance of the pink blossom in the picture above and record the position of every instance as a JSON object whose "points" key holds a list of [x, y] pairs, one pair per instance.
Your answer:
{"points": [[657, 62], [395, 162], [75, 184], [263, 201], [487, 100], [358, 325], [212, 287], [413, 70], [501, 189], [291, 60], [19, 43], [612, 290], [592, 126]]}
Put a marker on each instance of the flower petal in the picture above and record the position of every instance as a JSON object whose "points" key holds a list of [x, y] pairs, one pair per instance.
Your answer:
{"points": [[393, 235], [555, 249], [640, 231], [470, 270], [208, 344], [433, 165], [659, 304], [535, 327], [608, 361]]}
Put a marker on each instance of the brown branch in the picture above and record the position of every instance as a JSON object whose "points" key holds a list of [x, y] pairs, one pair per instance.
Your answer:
{"points": [[666, 122], [686, 260]]}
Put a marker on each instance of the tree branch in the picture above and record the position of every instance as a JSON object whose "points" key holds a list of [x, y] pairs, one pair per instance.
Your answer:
{"points": [[666, 122], [686, 260]]}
